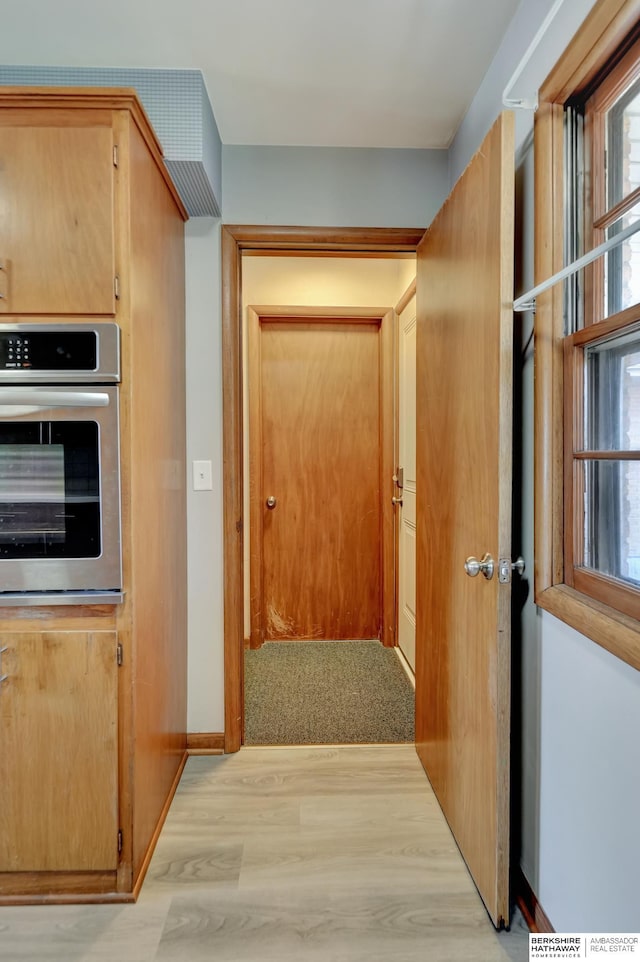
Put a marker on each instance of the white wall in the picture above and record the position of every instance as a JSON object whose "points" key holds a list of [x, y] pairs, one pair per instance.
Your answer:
{"points": [[589, 784], [580, 706], [326, 281]]}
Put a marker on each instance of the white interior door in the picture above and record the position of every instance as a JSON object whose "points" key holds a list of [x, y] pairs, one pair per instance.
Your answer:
{"points": [[407, 462]]}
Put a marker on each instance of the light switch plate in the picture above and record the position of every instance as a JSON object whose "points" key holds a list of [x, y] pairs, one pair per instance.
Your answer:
{"points": [[202, 476]]}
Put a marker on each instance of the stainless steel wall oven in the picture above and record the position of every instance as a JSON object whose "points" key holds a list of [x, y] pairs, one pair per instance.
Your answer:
{"points": [[59, 463]]}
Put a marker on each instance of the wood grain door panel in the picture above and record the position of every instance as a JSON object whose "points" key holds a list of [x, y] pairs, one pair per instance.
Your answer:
{"points": [[59, 758], [464, 397], [320, 457], [57, 218]]}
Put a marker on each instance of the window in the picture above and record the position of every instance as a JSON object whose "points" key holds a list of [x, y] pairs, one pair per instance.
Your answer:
{"points": [[612, 123], [602, 466], [587, 146], [602, 362]]}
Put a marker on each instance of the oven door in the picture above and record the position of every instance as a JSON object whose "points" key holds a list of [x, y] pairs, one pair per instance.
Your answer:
{"points": [[59, 489]]}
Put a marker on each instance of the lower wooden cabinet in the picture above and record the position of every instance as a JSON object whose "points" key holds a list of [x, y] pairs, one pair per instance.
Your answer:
{"points": [[59, 755]]}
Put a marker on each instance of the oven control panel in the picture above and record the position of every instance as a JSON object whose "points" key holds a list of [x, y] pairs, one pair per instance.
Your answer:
{"points": [[51, 353], [48, 351], [17, 353]]}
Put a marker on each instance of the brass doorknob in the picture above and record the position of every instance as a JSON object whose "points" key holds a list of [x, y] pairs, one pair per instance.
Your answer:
{"points": [[271, 502]]}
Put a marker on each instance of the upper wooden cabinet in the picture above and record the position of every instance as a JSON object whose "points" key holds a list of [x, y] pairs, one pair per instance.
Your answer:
{"points": [[57, 247]]}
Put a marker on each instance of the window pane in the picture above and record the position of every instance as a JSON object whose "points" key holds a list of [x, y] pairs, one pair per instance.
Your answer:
{"points": [[612, 394], [623, 145], [622, 267], [612, 518]]}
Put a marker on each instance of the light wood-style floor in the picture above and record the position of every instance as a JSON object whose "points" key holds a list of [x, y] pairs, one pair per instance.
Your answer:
{"points": [[327, 854]]}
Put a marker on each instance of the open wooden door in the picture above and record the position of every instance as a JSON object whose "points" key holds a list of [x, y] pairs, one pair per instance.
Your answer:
{"points": [[464, 399]]}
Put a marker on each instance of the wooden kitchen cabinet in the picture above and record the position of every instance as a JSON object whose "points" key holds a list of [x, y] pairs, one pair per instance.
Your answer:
{"points": [[57, 253], [59, 758], [91, 751]]}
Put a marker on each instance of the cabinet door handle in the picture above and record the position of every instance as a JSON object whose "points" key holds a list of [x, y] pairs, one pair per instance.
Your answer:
{"points": [[2, 677]]}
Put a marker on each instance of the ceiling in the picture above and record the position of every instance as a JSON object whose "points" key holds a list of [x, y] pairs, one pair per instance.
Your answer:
{"points": [[343, 73]]}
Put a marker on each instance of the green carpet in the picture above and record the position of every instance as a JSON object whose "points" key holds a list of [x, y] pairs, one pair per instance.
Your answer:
{"points": [[326, 692]]}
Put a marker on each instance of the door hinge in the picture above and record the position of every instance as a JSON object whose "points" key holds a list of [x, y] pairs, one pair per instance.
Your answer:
{"points": [[119, 841], [115, 155], [119, 655], [116, 287]]}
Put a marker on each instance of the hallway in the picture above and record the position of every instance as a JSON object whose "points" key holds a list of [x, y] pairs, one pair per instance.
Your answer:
{"points": [[326, 854]]}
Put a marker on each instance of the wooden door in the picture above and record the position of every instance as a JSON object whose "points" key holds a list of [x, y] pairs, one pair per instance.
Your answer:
{"points": [[59, 758], [407, 490], [317, 441], [464, 396], [57, 212]]}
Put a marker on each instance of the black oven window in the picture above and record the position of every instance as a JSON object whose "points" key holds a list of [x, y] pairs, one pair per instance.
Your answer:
{"points": [[49, 489]]}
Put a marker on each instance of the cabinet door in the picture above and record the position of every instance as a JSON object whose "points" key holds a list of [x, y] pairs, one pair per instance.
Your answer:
{"points": [[59, 755], [56, 216]]}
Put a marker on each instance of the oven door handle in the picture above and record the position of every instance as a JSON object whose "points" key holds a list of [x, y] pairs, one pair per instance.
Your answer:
{"points": [[29, 400]]}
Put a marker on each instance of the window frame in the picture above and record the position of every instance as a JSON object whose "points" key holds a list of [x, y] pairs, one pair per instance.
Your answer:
{"points": [[614, 592], [570, 599]]}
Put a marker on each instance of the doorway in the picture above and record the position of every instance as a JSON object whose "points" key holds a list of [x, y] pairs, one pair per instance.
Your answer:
{"points": [[236, 242]]}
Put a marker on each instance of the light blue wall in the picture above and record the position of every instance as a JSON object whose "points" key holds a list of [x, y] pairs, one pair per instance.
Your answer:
{"points": [[332, 187], [580, 706], [204, 508], [488, 101]]}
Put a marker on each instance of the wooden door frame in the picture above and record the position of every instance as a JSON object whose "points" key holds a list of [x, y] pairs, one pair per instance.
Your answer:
{"points": [[410, 292], [383, 318], [234, 240]]}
